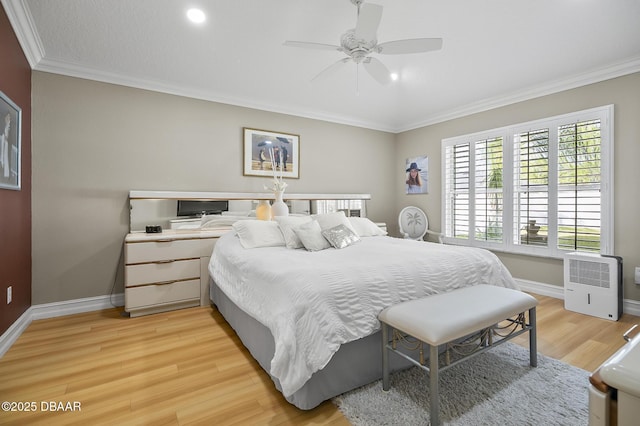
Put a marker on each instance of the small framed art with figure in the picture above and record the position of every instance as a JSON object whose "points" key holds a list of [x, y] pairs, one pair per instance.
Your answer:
{"points": [[416, 178], [10, 138], [265, 150]]}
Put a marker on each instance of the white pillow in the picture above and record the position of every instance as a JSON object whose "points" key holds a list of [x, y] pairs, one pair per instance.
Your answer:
{"points": [[287, 223], [220, 221], [329, 220], [365, 227], [243, 213], [258, 233], [310, 234]]}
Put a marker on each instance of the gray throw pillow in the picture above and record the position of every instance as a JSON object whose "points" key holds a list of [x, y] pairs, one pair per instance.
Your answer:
{"points": [[340, 236]]}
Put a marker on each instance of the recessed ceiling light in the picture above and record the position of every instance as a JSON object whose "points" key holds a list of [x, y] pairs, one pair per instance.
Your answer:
{"points": [[394, 76], [196, 16]]}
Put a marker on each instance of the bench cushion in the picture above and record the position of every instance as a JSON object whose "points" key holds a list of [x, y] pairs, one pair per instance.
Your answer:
{"points": [[445, 317]]}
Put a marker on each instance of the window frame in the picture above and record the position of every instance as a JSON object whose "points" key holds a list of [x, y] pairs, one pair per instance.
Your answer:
{"points": [[606, 116]]}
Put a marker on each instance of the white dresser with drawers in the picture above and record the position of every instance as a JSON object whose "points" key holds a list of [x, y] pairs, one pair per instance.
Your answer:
{"points": [[167, 270]]}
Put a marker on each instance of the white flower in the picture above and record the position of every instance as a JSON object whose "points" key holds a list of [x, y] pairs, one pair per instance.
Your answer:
{"points": [[278, 184]]}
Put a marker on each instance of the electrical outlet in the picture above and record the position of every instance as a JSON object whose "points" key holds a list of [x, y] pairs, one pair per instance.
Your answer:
{"points": [[9, 294], [637, 275]]}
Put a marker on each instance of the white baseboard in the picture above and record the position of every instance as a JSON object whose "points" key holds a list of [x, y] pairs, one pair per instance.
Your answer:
{"points": [[17, 328], [543, 289], [56, 309], [631, 307], [77, 306]]}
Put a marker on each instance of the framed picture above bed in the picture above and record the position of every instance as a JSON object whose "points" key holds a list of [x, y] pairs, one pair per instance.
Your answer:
{"points": [[10, 138], [265, 150]]}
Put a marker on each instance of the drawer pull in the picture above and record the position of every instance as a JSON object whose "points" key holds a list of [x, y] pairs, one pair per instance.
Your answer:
{"points": [[627, 336], [165, 240], [166, 282], [164, 261]]}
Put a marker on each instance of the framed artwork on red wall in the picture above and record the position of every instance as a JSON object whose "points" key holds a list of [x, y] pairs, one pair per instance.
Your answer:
{"points": [[10, 138]]}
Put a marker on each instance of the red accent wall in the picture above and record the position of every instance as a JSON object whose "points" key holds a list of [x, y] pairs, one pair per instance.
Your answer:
{"points": [[15, 206]]}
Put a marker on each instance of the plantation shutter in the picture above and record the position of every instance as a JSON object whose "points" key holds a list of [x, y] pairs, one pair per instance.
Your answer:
{"points": [[488, 190], [531, 188], [543, 187], [579, 186], [457, 164]]}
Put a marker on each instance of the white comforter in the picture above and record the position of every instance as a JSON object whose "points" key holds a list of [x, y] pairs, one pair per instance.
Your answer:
{"points": [[315, 301]]}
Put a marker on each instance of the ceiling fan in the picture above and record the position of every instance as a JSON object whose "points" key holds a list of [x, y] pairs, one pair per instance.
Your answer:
{"points": [[359, 43]]}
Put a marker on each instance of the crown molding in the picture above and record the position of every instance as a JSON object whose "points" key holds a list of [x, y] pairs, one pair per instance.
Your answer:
{"points": [[25, 30], [79, 71], [590, 77], [594, 76]]}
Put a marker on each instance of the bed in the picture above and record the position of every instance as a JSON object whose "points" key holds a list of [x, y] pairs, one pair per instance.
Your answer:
{"points": [[309, 318]]}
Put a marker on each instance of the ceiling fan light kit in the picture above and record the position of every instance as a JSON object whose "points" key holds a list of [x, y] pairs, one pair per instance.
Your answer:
{"points": [[361, 42]]}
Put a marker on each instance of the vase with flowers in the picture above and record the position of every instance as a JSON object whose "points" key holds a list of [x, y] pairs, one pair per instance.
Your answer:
{"points": [[279, 207]]}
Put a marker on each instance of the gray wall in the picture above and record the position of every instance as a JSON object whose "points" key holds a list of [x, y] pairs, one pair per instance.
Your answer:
{"points": [[623, 92], [93, 142]]}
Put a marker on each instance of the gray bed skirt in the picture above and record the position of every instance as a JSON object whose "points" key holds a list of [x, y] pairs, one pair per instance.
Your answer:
{"points": [[355, 364]]}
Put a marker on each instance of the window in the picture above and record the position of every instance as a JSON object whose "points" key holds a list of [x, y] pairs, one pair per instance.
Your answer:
{"points": [[531, 187], [488, 190], [540, 188]]}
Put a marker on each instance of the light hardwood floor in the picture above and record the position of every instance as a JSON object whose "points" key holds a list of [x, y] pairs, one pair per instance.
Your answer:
{"points": [[188, 367]]}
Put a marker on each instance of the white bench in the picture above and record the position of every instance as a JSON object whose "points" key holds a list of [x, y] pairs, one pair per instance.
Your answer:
{"points": [[446, 318]]}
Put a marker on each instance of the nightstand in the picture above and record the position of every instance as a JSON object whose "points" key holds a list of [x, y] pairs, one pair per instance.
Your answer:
{"points": [[167, 271]]}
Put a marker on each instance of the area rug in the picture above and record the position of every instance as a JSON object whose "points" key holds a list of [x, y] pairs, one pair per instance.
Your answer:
{"points": [[497, 387]]}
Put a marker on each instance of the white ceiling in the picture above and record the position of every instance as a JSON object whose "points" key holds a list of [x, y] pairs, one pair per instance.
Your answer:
{"points": [[495, 52]]}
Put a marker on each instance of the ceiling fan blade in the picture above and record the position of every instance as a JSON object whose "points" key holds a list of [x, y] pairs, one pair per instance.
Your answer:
{"points": [[330, 69], [309, 45], [368, 21], [377, 70], [415, 45]]}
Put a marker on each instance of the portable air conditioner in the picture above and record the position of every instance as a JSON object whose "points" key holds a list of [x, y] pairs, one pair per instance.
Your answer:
{"points": [[593, 285]]}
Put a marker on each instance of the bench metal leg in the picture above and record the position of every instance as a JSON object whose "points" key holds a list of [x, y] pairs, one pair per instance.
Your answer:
{"points": [[533, 339], [434, 369], [385, 357], [433, 385]]}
